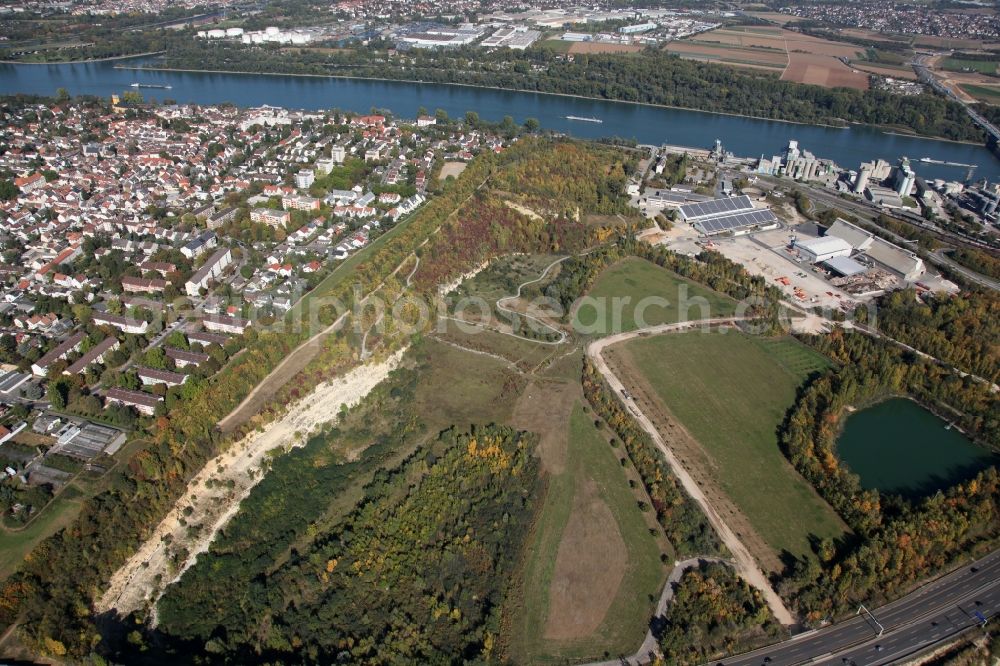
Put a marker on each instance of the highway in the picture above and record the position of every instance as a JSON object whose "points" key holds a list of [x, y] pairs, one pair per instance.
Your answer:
{"points": [[928, 616]]}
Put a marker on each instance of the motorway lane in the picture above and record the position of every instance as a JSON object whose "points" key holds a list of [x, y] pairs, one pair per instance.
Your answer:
{"points": [[918, 636], [949, 601]]}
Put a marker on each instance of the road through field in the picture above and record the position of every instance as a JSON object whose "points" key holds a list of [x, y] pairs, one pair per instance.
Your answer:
{"points": [[744, 562]]}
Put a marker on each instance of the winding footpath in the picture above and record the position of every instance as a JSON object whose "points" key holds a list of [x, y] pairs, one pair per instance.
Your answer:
{"points": [[744, 563], [514, 313]]}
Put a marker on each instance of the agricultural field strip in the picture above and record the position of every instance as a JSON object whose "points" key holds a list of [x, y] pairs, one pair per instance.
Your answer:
{"points": [[745, 564]]}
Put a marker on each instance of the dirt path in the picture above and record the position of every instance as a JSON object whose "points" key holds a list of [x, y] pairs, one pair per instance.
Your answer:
{"points": [[690, 453], [514, 313], [744, 562], [213, 501]]}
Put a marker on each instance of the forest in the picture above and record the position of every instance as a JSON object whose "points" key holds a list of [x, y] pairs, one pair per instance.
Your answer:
{"points": [[963, 330], [714, 612], [896, 541], [416, 570], [977, 260], [652, 77]]}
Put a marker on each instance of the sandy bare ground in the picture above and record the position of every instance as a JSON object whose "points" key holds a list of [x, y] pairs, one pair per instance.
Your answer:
{"points": [[743, 561], [822, 70], [523, 210], [454, 169], [213, 502], [590, 564]]}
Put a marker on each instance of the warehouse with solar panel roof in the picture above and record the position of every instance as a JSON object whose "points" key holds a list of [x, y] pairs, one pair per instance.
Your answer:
{"points": [[732, 215]]}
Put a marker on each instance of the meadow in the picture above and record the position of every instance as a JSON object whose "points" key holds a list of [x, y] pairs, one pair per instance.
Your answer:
{"points": [[592, 568], [731, 392], [636, 280]]}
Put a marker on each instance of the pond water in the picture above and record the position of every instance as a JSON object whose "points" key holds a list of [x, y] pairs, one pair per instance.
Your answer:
{"points": [[897, 446]]}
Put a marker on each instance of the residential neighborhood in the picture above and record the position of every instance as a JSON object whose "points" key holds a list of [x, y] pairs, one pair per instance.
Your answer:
{"points": [[143, 243]]}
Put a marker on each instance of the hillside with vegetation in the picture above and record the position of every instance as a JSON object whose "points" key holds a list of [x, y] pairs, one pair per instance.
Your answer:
{"points": [[417, 569]]}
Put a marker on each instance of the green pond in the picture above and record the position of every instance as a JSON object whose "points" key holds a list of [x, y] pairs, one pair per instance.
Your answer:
{"points": [[897, 446]]}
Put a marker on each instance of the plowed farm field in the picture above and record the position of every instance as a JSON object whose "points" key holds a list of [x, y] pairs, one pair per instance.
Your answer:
{"points": [[800, 58]]}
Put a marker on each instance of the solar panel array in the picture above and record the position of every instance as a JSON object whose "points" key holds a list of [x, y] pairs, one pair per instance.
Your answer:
{"points": [[718, 225], [715, 207]]}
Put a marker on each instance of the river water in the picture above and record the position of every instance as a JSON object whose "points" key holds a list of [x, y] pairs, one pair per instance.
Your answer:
{"points": [[743, 136]]}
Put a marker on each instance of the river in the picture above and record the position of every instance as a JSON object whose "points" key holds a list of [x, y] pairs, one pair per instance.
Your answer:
{"points": [[743, 136]]}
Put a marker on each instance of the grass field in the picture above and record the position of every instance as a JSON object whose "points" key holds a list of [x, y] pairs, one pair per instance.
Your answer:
{"points": [[557, 45], [646, 285], [16, 544], [731, 392], [461, 388], [590, 497], [984, 93], [962, 65]]}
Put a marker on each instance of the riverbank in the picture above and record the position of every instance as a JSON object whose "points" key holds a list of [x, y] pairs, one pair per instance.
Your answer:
{"points": [[86, 61], [382, 79]]}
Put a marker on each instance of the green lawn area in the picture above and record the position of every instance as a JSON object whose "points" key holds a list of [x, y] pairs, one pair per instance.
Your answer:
{"points": [[984, 93], [557, 45], [962, 65], [16, 544], [655, 294], [731, 392], [621, 632]]}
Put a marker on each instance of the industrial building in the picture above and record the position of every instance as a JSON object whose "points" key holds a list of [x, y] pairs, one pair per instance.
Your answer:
{"points": [[734, 215], [845, 266], [514, 37], [898, 260], [903, 178], [442, 37], [637, 28], [817, 250]]}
